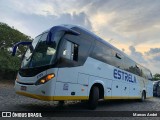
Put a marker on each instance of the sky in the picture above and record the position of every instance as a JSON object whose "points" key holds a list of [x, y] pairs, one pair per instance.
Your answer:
{"points": [[132, 26]]}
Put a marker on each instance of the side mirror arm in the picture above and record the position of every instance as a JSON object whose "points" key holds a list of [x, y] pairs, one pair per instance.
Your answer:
{"points": [[14, 48]]}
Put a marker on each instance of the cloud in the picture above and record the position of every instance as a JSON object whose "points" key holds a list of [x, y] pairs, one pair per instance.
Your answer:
{"points": [[150, 59], [34, 24], [128, 19], [123, 20], [123, 23], [153, 51], [137, 56], [157, 58], [153, 54], [40, 15], [39, 23]]}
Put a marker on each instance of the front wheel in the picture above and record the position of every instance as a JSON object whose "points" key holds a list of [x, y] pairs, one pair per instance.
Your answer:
{"points": [[93, 97]]}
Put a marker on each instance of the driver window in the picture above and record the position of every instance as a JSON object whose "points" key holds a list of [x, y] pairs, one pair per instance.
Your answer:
{"points": [[70, 51]]}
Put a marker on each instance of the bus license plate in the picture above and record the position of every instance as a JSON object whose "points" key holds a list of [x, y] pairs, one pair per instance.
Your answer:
{"points": [[24, 88]]}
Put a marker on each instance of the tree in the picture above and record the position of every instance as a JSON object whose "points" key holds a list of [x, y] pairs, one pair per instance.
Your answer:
{"points": [[156, 76], [8, 37]]}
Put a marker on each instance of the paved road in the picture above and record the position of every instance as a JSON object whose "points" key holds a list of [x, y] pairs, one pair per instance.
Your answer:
{"points": [[9, 101]]}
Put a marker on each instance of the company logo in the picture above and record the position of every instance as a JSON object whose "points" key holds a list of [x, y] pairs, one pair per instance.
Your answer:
{"points": [[19, 114], [6, 114], [121, 75], [65, 86]]}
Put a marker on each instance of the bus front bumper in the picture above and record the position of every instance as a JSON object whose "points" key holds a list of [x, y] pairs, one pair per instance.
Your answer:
{"points": [[41, 92]]}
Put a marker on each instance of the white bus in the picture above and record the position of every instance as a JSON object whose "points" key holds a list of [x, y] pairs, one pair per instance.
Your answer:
{"points": [[68, 62]]}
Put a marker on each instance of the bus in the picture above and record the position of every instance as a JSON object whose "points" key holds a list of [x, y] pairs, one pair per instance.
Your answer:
{"points": [[68, 62]]}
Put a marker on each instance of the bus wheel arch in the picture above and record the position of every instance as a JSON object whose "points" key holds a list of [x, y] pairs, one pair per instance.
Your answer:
{"points": [[101, 90], [96, 93], [143, 96]]}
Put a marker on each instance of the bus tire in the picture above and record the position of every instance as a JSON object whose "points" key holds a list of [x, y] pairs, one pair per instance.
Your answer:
{"points": [[93, 98], [143, 96], [61, 102]]}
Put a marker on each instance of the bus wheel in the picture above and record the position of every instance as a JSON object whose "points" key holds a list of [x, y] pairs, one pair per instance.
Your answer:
{"points": [[93, 97], [61, 103], [143, 96]]}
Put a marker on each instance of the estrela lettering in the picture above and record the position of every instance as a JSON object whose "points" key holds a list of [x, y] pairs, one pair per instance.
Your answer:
{"points": [[121, 75]]}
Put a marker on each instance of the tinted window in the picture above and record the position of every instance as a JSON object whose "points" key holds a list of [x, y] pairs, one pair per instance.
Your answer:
{"points": [[44, 53], [138, 70], [83, 34], [117, 60], [103, 53], [146, 74], [70, 51], [129, 65], [80, 48], [29, 52]]}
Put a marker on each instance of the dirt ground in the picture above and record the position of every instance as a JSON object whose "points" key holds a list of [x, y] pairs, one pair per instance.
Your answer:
{"points": [[10, 101]]}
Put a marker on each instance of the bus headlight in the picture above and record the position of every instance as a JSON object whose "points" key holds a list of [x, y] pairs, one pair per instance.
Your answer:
{"points": [[45, 79]]}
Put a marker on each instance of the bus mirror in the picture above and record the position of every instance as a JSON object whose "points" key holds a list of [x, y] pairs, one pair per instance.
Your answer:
{"points": [[14, 49]]}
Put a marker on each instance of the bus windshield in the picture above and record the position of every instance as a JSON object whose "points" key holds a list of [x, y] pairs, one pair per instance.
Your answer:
{"points": [[42, 54]]}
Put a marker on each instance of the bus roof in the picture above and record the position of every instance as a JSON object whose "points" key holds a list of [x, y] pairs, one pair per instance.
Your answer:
{"points": [[70, 26]]}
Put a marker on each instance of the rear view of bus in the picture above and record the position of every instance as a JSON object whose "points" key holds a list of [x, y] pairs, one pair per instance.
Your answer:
{"points": [[70, 63]]}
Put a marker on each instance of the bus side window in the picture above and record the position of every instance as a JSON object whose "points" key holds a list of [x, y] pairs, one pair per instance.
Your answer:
{"points": [[117, 59], [138, 71], [70, 51], [129, 65]]}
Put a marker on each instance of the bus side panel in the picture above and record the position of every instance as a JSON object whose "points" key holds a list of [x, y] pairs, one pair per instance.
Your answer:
{"points": [[116, 89], [125, 89], [53, 81], [68, 74], [136, 88], [83, 79], [142, 85], [150, 89], [70, 91], [97, 68], [108, 88]]}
